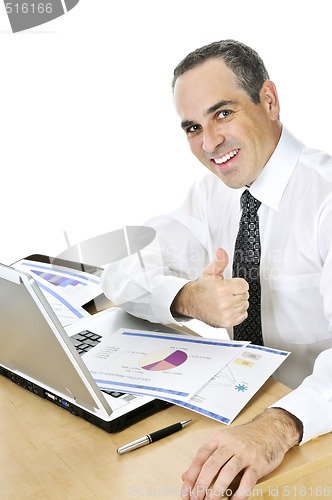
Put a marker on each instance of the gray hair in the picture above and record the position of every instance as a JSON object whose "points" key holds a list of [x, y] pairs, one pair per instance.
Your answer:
{"points": [[245, 63]]}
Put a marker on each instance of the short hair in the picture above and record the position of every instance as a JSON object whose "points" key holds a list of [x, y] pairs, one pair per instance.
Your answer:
{"points": [[245, 63]]}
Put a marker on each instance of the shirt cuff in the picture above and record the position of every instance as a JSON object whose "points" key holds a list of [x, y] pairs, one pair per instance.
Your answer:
{"points": [[163, 296], [313, 411]]}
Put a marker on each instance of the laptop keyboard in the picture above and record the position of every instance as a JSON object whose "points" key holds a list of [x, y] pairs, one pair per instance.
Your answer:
{"points": [[83, 342]]}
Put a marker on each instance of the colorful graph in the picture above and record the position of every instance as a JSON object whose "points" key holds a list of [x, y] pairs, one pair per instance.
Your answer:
{"points": [[66, 283], [58, 280], [166, 359]]}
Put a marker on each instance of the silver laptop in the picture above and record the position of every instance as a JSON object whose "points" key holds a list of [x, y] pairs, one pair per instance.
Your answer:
{"points": [[38, 353]]}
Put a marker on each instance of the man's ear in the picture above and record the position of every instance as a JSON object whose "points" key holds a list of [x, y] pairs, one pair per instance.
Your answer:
{"points": [[269, 97]]}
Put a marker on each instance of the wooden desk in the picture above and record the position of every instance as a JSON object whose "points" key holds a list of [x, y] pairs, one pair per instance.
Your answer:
{"points": [[47, 453]]}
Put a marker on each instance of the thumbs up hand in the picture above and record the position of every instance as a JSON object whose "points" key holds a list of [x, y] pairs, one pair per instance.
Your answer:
{"points": [[213, 299]]}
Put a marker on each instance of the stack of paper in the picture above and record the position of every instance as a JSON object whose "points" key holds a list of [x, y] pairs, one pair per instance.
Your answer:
{"points": [[213, 377]]}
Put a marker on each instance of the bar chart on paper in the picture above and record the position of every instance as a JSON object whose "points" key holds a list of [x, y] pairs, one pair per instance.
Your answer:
{"points": [[70, 284], [65, 289], [165, 359]]}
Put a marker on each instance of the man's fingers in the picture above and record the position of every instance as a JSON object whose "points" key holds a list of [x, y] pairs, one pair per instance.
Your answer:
{"points": [[239, 286], [240, 318], [191, 475], [247, 484], [207, 463]]}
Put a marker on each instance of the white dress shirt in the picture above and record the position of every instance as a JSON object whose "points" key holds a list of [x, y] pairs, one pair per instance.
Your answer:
{"points": [[295, 216]]}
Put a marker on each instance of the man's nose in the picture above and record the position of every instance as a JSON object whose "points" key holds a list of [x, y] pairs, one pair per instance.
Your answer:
{"points": [[212, 138]]}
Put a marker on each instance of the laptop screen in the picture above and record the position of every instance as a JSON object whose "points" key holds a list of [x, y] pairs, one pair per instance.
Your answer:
{"points": [[34, 345]]}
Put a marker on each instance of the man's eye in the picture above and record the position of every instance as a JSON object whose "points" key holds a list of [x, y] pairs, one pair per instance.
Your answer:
{"points": [[192, 129], [225, 113]]}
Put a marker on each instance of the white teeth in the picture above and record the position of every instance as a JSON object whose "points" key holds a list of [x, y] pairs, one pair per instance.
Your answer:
{"points": [[219, 161]]}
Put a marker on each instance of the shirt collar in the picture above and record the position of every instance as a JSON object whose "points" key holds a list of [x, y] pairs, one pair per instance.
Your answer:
{"points": [[273, 179]]}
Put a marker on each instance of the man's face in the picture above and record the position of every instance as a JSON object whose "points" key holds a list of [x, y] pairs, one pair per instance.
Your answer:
{"points": [[232, 136]]}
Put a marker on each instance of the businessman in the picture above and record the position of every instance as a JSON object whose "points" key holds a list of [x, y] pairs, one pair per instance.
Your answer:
{"points": [[260, 221]]}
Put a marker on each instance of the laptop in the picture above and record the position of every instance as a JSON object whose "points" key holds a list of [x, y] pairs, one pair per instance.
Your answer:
{"points": [[38, 354]]}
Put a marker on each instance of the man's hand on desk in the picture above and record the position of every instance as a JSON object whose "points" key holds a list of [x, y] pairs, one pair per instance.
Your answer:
{"points": [[217, 301], [254, 449]]}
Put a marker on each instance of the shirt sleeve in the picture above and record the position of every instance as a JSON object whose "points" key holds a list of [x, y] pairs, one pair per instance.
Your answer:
{"points": [[146, 283], [311, 402]]}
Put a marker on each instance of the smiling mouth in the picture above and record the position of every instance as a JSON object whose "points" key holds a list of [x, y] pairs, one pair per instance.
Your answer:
{"points": [[224, 159]]}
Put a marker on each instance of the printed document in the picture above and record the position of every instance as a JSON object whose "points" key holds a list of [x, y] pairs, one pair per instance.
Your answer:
{"points": [[159, 364], [224, 396]]}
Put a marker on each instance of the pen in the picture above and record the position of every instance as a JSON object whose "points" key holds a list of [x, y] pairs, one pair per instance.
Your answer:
{"points": [[154, 436]]}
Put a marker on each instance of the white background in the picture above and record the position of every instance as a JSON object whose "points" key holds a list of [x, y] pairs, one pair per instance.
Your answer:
{"points": [[89, 137]]}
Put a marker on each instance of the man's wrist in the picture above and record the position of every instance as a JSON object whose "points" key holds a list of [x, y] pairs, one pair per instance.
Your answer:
{"points": [[181, 303], [298, 425], [288, 426]]}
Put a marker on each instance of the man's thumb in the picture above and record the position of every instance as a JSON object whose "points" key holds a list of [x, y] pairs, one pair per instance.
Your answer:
{"points": [[219, 264]]}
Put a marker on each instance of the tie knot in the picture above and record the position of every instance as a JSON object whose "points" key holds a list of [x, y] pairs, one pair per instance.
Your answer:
{"points": [[249, 203]]}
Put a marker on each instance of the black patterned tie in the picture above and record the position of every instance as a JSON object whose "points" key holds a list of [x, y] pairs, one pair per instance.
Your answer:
{"points": [[246, 264]]}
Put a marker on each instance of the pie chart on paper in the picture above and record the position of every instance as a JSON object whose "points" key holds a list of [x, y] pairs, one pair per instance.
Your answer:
{"points": [[166, 359]]}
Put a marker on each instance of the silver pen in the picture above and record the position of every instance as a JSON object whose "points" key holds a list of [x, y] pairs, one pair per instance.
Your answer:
{"points": [[154, 436]]}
